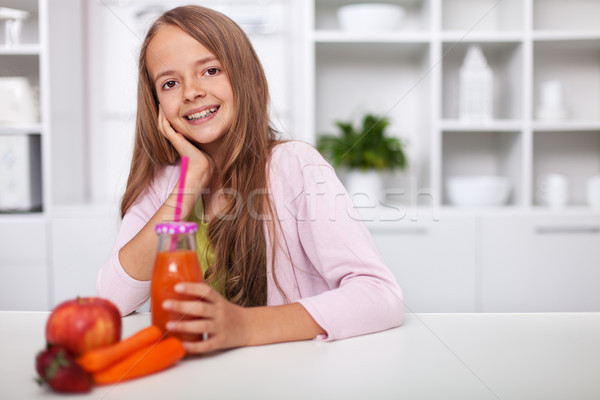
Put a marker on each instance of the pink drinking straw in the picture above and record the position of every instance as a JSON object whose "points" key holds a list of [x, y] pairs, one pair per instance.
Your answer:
{"points": [[182, 173]]}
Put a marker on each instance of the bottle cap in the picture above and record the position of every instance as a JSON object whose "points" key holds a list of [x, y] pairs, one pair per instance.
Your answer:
{"points": [[172, 228]]}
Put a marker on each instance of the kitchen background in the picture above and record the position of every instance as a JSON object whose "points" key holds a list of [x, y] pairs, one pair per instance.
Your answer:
{"points": [[526, 237]]}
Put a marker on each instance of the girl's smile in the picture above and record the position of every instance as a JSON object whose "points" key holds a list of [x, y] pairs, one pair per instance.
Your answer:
{"points": [[201, 114], [192, 87]]}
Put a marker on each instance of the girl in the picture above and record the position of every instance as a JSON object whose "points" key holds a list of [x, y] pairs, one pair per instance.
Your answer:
{"points": [[284, 253]]}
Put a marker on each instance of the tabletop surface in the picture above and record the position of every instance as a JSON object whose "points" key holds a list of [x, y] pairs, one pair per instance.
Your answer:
{"points": [[431, 356]]}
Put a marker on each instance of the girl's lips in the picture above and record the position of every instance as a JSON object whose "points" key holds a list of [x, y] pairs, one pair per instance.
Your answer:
{"points": [[202, 116]]}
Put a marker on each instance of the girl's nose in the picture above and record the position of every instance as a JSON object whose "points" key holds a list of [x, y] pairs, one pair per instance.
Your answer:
{"points": [[193, 91]]}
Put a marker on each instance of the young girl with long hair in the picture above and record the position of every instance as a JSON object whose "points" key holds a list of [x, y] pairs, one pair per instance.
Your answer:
{"points": [[284, 255]]}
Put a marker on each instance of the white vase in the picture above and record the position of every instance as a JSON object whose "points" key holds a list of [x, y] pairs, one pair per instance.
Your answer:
{"points": [[476, 87], [365, 187]]}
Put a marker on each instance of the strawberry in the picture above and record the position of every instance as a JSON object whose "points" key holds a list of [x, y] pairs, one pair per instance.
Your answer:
{"points": [[58, 368]]}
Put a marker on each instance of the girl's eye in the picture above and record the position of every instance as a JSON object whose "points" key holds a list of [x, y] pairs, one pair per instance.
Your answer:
{"points": [[169, 85], [212, 71]]}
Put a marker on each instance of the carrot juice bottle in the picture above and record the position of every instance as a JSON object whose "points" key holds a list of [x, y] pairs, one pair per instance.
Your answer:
{"points": [[176, 261]]}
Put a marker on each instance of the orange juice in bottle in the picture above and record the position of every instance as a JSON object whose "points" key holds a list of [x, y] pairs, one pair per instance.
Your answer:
{"points": [[176, 261]]}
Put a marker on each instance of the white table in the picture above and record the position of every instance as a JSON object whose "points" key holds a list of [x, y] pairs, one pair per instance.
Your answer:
{"points": [[432, 356]]}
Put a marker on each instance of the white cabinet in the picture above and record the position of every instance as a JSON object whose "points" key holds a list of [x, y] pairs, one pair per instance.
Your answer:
{"points": [[540, 263], [23, 264], [495, 262], [435, 262], [83, 240]]}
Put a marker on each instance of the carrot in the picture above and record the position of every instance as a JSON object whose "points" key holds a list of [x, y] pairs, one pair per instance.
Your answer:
{"points": [[145, 361], [103, 357]]}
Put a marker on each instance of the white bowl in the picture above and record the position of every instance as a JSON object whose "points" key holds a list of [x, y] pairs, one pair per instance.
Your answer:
{"points": [[478, 190], [370, 17]]}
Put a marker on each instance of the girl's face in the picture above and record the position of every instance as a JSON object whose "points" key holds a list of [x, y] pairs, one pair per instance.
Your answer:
{"points": [[192, 88]]}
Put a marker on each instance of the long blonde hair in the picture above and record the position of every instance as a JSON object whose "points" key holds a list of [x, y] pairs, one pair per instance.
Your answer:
{"points": [[238, 243]]}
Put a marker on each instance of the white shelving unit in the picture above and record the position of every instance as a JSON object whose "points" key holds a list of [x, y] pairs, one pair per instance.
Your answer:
{"points": [[471, 259], [24, 236], [49, 55], [28, 59], [412, 77]]}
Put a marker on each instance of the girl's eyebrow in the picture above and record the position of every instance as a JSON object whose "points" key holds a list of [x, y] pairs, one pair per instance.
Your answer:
{"points": [[201, 61]]}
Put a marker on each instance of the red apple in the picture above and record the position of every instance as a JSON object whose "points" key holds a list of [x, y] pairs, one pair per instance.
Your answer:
{"points": [[83, 324]]}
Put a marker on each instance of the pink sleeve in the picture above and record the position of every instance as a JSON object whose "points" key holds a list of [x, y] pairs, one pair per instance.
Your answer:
{"points": [[113, 282], [364, 296]]}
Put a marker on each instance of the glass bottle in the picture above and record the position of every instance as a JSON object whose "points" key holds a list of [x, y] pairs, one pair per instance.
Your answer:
{"points": [[176, 261]]}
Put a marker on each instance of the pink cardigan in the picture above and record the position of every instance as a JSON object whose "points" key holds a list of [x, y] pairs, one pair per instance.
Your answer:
{"points": [[326, 261]]}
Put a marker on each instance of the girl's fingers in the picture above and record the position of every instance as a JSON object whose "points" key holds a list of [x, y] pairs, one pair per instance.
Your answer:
{"points": [[208, 312], [168, 132], [181, 144], [212, 342], [204, 346], [202, 290], [191, 326], [194, 308]]}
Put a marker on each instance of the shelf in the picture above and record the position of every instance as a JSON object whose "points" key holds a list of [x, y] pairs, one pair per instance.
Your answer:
{"points": [[497, 125], [401, 217], [21, 129], [566, 126], [486, 37], [19, 216], [570, 210], [31, 49], [337, 36], [509, 209], [553, 35]]}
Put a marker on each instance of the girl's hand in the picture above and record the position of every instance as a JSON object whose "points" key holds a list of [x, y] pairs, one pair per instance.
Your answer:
{"points": [[226, 324], [200, 166]]}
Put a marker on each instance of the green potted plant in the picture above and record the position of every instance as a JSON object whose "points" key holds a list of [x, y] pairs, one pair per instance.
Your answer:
{"points": [[364, 153]]}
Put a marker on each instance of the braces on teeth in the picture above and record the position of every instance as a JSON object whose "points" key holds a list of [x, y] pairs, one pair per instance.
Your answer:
{"points": [[201, 114]]}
